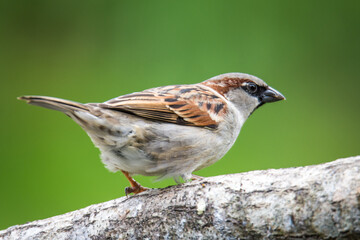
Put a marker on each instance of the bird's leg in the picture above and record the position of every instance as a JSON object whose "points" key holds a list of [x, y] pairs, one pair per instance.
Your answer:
{"points": [[135, 186]]}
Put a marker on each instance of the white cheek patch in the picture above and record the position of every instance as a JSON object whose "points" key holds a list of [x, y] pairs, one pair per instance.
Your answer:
{"points": [[243, 102]]}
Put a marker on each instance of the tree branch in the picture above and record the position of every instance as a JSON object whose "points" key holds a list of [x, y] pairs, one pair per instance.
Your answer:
{"points": [[315, 202]]}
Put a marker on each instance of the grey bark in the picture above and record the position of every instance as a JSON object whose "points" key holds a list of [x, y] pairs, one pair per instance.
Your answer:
{"points": [[313, 202]]}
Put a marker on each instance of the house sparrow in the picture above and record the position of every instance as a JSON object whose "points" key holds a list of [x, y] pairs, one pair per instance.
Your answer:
{"points": [[168, 131]]}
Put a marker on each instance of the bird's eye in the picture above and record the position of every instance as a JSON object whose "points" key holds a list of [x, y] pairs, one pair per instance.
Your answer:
{"points": [[252, 87]]}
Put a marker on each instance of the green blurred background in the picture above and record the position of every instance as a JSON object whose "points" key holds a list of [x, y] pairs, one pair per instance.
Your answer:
{"points": [[91, 51]]}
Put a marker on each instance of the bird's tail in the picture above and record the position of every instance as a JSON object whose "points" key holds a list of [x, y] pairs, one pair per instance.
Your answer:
{"points": [[57, 104]]}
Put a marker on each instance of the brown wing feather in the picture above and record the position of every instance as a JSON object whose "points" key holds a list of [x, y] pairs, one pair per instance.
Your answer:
{"points": [[191, 105]]}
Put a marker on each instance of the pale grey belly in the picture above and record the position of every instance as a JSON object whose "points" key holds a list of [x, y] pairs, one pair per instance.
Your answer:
{"points": [[153, 149]]}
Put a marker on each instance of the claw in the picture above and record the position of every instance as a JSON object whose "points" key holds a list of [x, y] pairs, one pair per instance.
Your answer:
{"points": [[135, 190], [135, 186]]}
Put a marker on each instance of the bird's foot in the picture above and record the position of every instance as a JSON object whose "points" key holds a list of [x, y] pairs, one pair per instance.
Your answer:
{"points": [[135, 189], [135, 186]]}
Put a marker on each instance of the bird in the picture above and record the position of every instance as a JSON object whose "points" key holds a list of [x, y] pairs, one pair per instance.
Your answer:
{"points": [[168, 131]]}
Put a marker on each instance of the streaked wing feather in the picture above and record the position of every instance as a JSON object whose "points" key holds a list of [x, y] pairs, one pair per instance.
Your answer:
{"points": [[191, 105]]}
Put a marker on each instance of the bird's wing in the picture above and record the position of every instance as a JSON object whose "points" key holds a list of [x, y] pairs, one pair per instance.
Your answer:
{"points": [[192, 105]]}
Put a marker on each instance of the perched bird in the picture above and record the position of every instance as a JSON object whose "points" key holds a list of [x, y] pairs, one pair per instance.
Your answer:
{"points": [[168, 131]]}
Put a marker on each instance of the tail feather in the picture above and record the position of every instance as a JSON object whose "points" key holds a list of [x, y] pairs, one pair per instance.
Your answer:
{"points": [[57, 104]]}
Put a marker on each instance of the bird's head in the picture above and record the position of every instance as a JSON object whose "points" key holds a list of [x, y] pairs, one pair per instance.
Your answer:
{"points": [[245, 91]]}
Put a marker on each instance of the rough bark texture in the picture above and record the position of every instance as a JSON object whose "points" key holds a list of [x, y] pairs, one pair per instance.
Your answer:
{"points": [[313, 202]]}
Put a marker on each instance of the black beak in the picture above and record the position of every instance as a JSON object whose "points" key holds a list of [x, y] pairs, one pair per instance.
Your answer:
{"points": [[271, 95]]}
